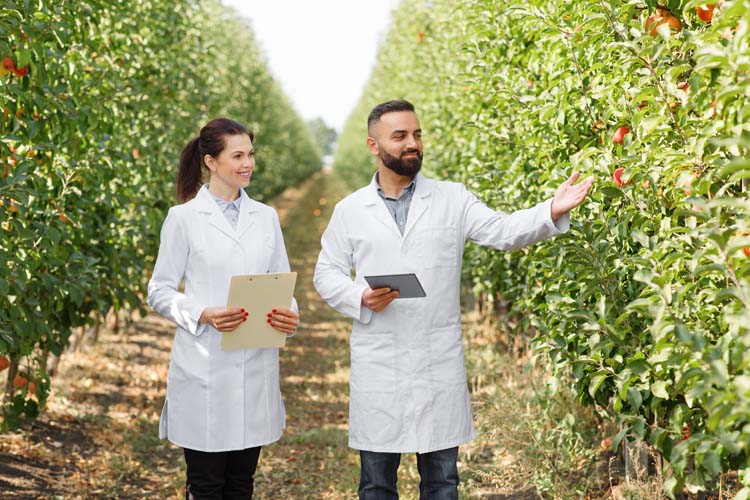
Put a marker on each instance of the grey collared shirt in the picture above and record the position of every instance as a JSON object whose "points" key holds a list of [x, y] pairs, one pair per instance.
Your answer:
{"points": [[230, 209], [398, 207]]}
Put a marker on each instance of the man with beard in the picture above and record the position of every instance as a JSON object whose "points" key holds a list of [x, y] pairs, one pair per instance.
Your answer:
{"points": [[408, 390]]}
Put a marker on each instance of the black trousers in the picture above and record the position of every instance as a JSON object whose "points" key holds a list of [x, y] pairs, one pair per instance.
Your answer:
{"points": [[224, 475]]}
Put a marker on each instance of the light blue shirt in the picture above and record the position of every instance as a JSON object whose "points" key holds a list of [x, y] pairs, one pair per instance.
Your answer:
{"points": [[398, 207], [230, 209]]}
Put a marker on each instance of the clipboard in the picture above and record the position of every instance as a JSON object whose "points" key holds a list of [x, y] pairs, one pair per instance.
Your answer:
{"points": [[258, 294], [408, 285]]}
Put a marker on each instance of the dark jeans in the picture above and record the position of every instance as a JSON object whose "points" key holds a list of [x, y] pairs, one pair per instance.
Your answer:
{"points": [[224, 475], [438, 475]]}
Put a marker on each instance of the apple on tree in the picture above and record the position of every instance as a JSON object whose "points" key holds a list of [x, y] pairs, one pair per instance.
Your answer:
{"points": [[620, 134], [617, 176], [20, 72], [662, 16], [20, 381], [705, 12], [6, 66]]}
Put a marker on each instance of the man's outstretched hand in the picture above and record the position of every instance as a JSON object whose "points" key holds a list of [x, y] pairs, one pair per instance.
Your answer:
{"points": [[568, 196]]}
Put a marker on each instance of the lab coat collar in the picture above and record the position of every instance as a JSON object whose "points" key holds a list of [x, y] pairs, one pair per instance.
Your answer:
{"points": [[419, 204], [205, 203]]}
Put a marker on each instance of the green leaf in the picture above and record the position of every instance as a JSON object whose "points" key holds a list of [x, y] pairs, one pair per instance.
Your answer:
{"points": [[711, 463], [596, 382], [671, 486], [634, 398], [659, 389]]}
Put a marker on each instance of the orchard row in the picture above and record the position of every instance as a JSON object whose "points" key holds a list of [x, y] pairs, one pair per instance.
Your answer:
{"points": [[643, 308], [97, 100]]}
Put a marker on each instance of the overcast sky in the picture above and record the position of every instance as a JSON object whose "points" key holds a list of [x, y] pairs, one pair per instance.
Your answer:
{"points": [[321, 51]]}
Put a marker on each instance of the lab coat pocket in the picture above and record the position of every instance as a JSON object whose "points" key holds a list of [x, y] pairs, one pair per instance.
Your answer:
{"points": [[198, 270], [446, 356], [266, 254], [439, 247], [373, 361]]}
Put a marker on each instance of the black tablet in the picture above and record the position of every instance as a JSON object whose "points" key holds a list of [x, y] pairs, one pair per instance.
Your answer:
{"points": [[408, 285]]}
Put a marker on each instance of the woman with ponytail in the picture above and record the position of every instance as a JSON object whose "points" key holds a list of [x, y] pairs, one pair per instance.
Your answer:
{"points": [[221, 406]]}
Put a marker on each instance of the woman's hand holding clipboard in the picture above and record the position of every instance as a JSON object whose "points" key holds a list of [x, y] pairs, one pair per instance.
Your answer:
{"points": [[258, 294]]}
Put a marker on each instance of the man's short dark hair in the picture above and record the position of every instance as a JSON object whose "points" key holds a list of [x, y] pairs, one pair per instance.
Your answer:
{"points": [[387, 107]]}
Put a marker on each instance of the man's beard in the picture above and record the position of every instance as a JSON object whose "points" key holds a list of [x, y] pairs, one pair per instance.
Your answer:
{"points": [[407, 167]]}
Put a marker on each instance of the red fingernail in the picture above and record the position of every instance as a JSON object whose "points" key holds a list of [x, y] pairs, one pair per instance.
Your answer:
{"points": [[243, 310], [268, 320], [246, 314], [273, 310], [244, 319], [269, 315]]}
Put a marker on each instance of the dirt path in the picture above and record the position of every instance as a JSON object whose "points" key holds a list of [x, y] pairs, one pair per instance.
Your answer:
{"points": [[98, 437]]}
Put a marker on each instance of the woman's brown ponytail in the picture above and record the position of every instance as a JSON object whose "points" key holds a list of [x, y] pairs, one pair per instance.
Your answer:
{"points": [[190, 171]]}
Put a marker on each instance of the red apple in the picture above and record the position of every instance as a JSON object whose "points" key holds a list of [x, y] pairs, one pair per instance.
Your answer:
{"points": [[6, 66], [617, 176], [660, 17], [706, 12], [655, 19], [20, 72], [620, 133], [674, 23]]}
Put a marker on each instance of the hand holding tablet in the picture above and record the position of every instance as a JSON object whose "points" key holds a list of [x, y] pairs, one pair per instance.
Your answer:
{"points": [[407, 285]]}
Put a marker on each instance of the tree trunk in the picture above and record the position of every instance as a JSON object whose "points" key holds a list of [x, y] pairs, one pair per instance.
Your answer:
{"points": [[12, 372]]}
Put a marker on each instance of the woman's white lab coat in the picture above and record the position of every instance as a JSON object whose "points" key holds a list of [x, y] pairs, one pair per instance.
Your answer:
{"points": [[408, 390], [216, 400]]}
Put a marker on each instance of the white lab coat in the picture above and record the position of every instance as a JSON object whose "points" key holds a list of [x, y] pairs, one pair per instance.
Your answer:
{"points": [[408, 389], [216, 400]]}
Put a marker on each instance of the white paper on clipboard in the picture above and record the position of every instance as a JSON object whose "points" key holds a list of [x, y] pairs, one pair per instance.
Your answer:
{"points": [[258, 294]]}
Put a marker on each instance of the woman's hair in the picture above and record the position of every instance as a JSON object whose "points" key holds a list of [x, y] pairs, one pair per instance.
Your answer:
{"points": [[210, 141]]}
